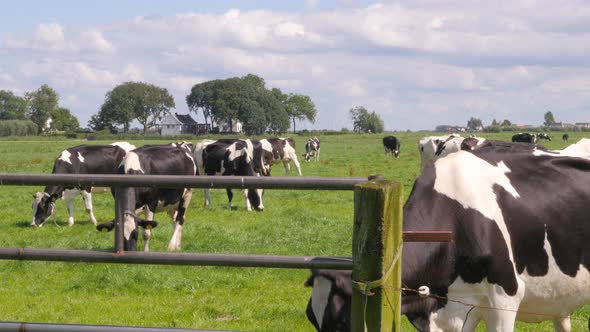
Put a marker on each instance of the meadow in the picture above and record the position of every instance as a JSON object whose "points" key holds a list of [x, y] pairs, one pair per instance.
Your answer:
{"points": [[294, 222]]}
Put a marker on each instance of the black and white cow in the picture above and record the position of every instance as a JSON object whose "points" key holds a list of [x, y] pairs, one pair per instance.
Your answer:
{"points": [[82, 159], [565, 137], [512, 249], [168, 159], [312, 149], [230, 158], [283, 150], [328, 308], [391, 144], [515, 255], [543, 136], [524, 138]]}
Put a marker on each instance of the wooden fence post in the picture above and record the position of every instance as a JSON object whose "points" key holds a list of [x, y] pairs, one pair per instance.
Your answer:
{"points": [[376, 255]]}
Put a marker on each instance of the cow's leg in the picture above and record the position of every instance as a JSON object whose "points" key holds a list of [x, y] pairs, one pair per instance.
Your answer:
{"points": [[248, 205], [287, 167], [147, 233], [230, 197], [207, 193], [297, 165], [503, 320], [317, 158], [68, 196], [562, 325], [176, 240], [87, 197]]}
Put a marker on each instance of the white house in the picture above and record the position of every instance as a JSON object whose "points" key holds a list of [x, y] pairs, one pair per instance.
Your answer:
{"points": [[236, 126], [177, 124]]}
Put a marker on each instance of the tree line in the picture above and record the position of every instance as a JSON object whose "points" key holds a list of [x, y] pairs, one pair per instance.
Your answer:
{"points": [[36, 107]]}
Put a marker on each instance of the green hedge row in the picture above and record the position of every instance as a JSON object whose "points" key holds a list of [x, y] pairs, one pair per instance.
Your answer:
{"points": [[18, 128]]}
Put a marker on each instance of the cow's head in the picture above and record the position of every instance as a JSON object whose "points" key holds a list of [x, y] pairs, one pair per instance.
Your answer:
{"points": [[43, 207], [130, 232], [329, 306]]}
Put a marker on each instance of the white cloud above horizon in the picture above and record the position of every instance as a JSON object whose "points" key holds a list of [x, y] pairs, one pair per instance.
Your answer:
{"points": [[416, 63]]}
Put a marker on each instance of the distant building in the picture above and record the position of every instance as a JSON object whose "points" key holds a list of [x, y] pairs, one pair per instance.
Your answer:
{"points": [[450, 129], [236, 127], [583, 124], [178, 124]]}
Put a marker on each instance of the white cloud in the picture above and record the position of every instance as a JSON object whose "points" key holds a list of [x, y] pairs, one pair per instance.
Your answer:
{"points": [[447, 59]]}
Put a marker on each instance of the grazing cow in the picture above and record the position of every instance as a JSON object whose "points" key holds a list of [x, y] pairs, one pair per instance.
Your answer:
{"points": [[328, 308], [565, 137], [543, 136], [524, 138], [225, 158], [434, 147], [168, 159], [522, 253], [82, 159], [283, 150], [391, 144], [312, 149]]}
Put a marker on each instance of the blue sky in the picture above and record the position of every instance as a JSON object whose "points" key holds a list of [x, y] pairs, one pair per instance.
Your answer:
{"points": [[416, 63]]}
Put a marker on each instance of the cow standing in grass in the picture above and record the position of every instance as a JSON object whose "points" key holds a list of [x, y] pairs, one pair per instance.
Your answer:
{"points": [[283, 150], [391, 144], [168, 159], [312, 149], [82, 159]]}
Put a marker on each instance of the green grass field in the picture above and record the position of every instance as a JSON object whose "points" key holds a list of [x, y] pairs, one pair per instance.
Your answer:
{"points": [[315, 223]]}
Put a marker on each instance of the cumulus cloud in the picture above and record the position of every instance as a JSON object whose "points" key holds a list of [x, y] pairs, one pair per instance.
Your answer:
{"points": [[446, 59]]}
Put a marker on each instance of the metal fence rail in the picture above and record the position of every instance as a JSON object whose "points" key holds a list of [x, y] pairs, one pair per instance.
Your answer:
{"points": [[169, 258], [122, 183], [178, 181]]}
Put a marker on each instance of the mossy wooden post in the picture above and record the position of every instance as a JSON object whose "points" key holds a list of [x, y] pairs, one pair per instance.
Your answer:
{"points": [[376, 239]]}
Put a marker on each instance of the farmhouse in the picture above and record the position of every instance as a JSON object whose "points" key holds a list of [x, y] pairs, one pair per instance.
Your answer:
{"points": [[178, 124]]}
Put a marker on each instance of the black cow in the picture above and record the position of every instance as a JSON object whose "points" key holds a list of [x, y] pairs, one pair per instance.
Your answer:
{"points": [[524, 138], [169, 159], [391, 144], [283, 150], [543, 136], [565, 137], [225, 158], [82, 159], [312, 149]]}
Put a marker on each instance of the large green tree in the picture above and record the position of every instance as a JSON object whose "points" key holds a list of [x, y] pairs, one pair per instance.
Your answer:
{"points": [[130, 101], [300, 107], [41, 103], [248, 100], [549, 119], [365, 121], [64, 120], [474, 124], [12, 107]]}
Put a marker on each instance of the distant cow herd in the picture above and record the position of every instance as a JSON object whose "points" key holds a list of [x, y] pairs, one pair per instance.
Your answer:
{"points": [[517, 211]]}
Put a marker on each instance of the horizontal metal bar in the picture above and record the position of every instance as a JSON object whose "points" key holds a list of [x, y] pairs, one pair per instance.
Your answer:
{"points": [[47, 327], [179, 181], [427, 236], [164, 258]]}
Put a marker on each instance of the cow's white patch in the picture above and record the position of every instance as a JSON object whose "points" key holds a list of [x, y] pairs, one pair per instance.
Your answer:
{"points": [[128, 227], [470, 181], [80, 157], [132, 163], [266, 146], [556, 293], [124, 145], [290, 155], [457, 316], [235, 153], [65, 156], [319, 297]]}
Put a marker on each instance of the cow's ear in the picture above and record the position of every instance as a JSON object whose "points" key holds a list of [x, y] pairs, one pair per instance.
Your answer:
{"points": [[108, 226], [147, 224]]}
